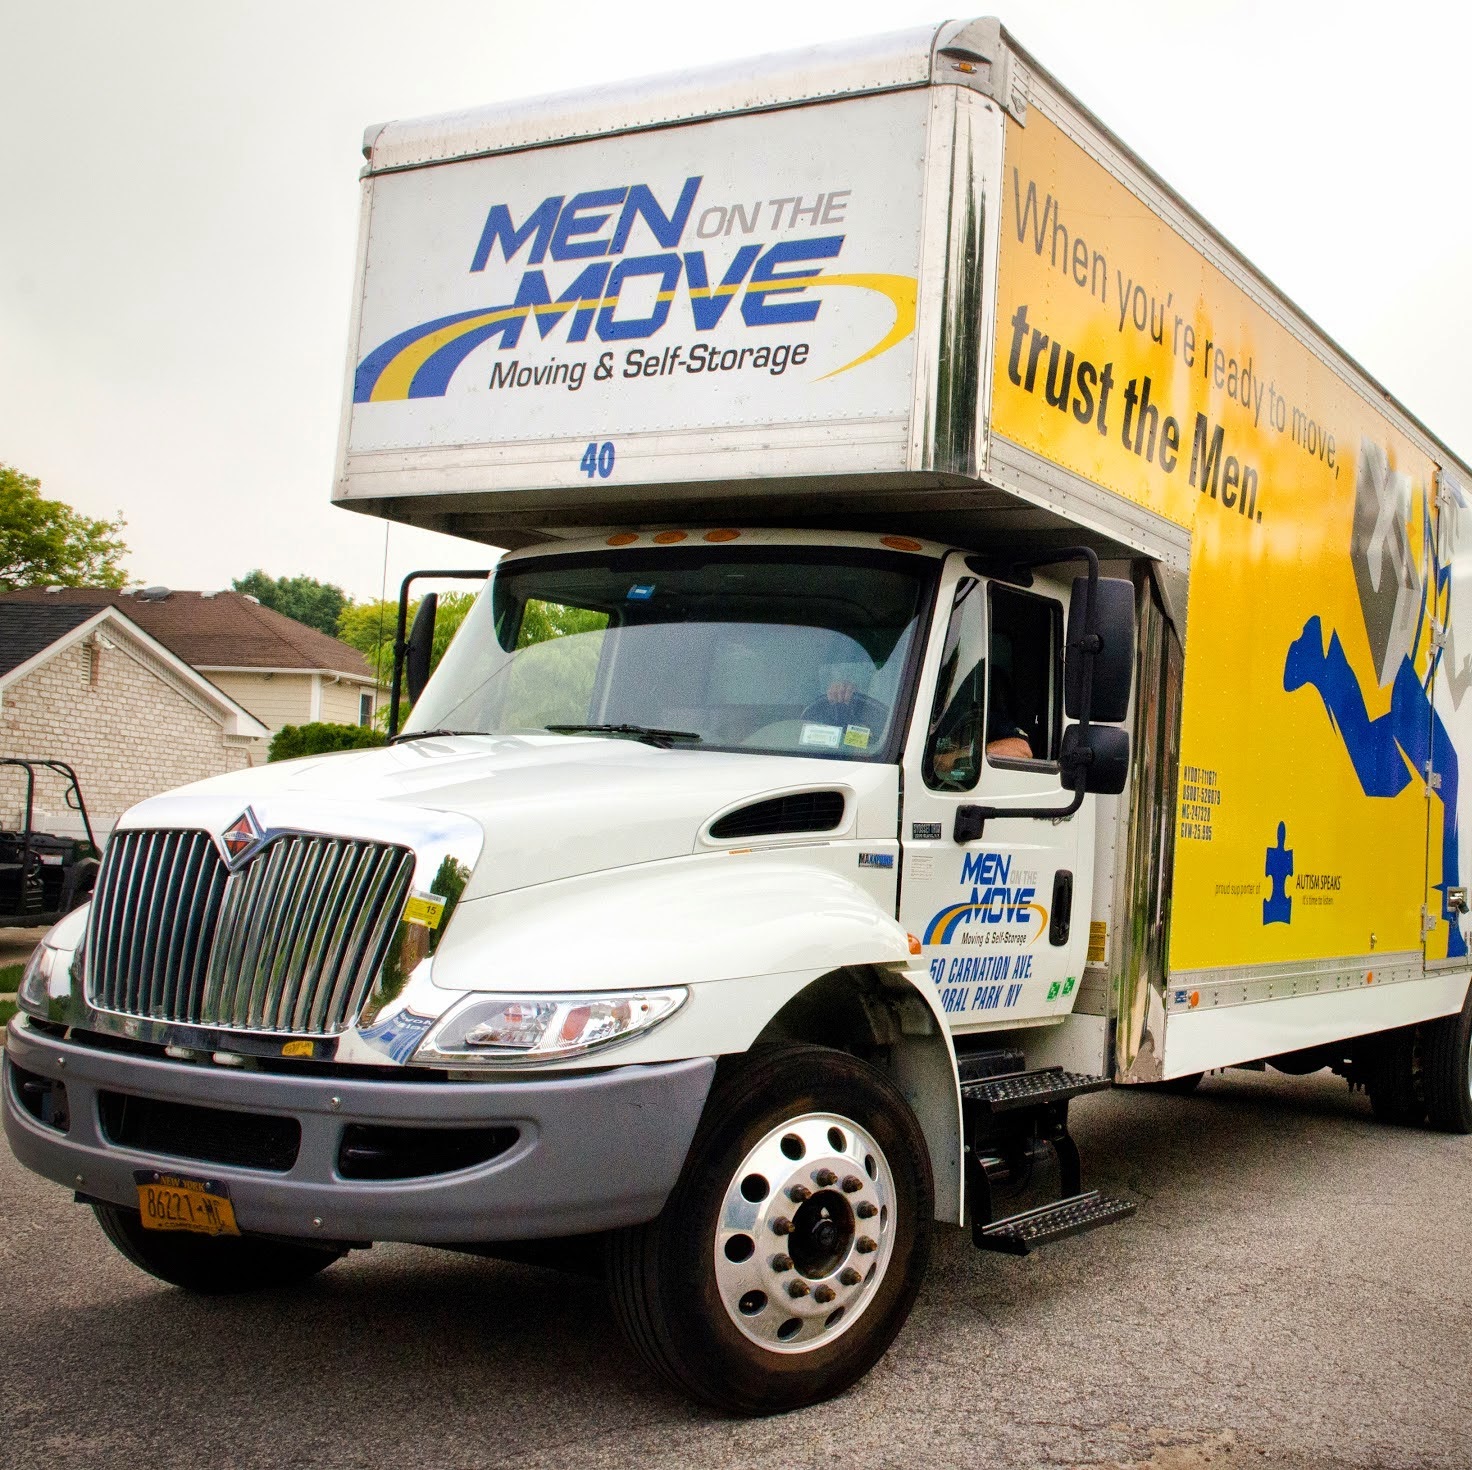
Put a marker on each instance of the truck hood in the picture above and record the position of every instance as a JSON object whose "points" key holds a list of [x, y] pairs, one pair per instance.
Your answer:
{"points": [[549, 807]]}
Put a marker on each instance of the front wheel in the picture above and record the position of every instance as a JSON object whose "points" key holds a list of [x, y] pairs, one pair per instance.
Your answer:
{"points": [[792, 1247], [213, 1265]]}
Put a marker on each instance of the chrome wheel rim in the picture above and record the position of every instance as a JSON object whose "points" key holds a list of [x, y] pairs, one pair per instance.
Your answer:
{"points": [[805, 1233]]}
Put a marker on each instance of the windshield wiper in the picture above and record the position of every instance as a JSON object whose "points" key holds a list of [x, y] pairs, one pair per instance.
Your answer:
{"points": [[428, 734], [647, 733]]}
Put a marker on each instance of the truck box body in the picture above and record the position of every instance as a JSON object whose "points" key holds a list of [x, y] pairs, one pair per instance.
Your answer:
{"points": [[1008, 333], [788, 834]]}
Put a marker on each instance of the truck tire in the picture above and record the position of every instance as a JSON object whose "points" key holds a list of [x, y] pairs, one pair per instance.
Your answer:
{"points": [[1395, 1078], [793, 1244], [1447, 1050], [220, 1265]]}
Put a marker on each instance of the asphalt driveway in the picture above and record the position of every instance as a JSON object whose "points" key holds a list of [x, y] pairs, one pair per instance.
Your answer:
{"points": [[1296, 1290]]}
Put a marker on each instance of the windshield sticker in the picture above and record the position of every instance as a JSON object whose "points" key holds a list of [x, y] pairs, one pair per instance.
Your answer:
{"points": [[857, 736], [825, 735], [641, 592]]}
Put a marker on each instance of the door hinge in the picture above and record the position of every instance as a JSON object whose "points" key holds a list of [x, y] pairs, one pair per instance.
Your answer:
{"points": [[1428, 924]]}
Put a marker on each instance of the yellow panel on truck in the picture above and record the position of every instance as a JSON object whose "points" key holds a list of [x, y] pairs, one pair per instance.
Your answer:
{"points": [[1317, 809]]}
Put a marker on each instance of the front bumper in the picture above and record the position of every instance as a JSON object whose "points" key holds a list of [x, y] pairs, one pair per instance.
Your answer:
{"points": [[593, 1151]]}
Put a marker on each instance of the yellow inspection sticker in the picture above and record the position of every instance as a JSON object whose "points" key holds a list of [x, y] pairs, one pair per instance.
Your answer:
{"points": [[424, 911]]}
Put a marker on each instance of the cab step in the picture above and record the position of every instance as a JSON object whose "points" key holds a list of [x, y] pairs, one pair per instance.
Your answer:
{"points": [[1017, 1235], [1030, 1089]]}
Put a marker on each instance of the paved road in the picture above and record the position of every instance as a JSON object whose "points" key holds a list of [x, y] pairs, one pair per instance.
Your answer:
{"points": [[1295, 1294]]}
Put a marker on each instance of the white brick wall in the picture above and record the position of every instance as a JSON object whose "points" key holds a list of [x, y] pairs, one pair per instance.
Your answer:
{"points": [[128, 735]]}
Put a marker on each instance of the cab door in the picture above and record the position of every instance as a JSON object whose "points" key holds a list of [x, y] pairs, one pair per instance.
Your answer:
{"points": [[995, 915]]}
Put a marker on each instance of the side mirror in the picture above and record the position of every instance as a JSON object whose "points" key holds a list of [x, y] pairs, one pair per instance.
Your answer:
{"points": [[1101, 752], [1114, 659], [420, 647]]}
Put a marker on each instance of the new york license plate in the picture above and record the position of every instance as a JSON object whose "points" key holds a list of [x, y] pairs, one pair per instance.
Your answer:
{"points": [[178, 1202]]}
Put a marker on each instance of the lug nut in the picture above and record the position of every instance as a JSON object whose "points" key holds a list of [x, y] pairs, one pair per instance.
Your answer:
{"points": [[824, 1294], [797, 1288], [824, 1177], [864, 1245], [849, 1277], [781, 1263], [866, 1210], [798, 1193], [781, 1225], [853, 1184]]}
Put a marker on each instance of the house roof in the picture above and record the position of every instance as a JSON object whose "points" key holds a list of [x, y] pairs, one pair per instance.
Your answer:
{"points": [[234, 718], [211, 630], [26, 629]]}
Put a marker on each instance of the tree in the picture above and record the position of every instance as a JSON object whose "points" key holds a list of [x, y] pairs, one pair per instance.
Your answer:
{"points": [[45, 543], [317, 604]]}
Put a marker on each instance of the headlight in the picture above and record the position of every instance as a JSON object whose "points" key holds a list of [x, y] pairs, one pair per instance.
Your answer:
{"points": [[34, 995], [514, 1030], [45, 987]]}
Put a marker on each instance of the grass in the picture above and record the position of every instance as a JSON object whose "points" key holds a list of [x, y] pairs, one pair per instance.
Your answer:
{"points": [[9, 983]]}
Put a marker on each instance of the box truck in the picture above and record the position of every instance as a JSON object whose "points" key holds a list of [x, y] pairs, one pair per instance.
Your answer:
{"points": [[966, 640]]}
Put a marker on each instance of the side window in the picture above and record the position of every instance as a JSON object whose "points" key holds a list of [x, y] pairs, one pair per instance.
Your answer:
{"points": [[953, 750], [1024, 716]]}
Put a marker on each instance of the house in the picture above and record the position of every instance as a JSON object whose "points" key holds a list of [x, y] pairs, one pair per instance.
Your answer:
{"points": [[87, 685], [282, 671]]}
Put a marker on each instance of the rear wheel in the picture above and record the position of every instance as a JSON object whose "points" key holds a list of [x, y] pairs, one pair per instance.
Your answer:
{"points": [[213, 1265], [792, 1247], [1395, 1078], [1448, 1070]]}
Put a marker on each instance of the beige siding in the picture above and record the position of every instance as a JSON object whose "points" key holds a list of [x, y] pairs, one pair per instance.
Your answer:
{"points": [[129, 735], [340, 701], [274, 699], [286, 699]]}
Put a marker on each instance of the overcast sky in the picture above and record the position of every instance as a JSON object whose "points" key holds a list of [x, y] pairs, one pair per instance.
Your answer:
{"points": [[179, 193]]}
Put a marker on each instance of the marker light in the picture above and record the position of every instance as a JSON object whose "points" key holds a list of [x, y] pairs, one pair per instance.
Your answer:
{"points": [[514, 1030]]}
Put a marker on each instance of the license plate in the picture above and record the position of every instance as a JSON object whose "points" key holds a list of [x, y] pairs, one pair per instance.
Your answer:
{"points": [[177, 1202]]}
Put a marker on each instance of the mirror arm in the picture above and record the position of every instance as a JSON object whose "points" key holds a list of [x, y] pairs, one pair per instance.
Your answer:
{"points": [[971, 820], [401, 643]]}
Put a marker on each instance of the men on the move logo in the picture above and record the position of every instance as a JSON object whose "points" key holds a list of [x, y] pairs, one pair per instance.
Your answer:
{"points": [[1004, 912], [575, 270]]}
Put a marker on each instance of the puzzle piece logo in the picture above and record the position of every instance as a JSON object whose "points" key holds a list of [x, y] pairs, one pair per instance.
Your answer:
{"points": [[1277, 908]]}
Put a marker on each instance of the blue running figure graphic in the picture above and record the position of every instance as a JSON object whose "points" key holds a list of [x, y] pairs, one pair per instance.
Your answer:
{"points": [[1390, 751]]}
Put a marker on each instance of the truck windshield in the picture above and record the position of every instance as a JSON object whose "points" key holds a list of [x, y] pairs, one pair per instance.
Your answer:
{"points": [[798, 650]]}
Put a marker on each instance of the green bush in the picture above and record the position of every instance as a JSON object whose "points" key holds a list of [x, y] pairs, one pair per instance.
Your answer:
{"points": [[318, 738]]}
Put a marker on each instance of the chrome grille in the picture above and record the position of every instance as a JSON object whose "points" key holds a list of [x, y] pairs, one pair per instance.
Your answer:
{"points": [[290, 943]]}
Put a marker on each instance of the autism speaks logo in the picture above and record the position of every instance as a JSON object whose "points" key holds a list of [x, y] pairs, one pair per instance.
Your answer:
{"points": [[626, 298], [1007, 912]]}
